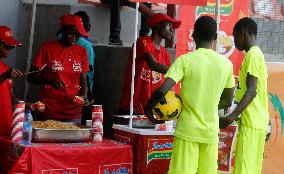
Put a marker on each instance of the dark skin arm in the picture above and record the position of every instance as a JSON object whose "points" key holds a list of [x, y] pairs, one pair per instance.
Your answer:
{"points": [[251, 83], [10, 74], [84, 88], [156, 97], [154, 65], [38, 79], [226, 98]]}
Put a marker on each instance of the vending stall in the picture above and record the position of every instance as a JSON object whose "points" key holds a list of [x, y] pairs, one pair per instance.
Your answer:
{"points": [[152, 147]]}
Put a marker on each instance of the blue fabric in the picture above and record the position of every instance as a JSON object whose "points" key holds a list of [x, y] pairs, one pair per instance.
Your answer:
{"points": [[91, 58]]}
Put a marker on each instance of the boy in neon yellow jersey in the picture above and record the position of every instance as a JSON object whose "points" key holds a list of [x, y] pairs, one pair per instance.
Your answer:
{"points": [[251, 94], [206, 77]]}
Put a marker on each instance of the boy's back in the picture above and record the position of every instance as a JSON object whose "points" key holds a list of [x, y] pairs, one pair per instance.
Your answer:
{"points": [[204, 75]]}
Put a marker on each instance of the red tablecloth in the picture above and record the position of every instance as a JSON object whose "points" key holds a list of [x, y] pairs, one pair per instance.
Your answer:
{"points": [[104, 157]]}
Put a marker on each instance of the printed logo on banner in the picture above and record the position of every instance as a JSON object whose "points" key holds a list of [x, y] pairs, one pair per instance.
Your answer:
{"points": [[278, 107], [225, 10], [159, 149], [123, 168], [61, 171]]}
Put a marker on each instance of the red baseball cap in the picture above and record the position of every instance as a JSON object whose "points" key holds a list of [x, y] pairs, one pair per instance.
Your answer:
{"points": [[159, 17], [6, 36], [69, 19]]}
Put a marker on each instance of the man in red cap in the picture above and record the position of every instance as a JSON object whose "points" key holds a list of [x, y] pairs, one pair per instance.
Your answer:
{"points": [[64, 75], [7, 44], [152, 62]]}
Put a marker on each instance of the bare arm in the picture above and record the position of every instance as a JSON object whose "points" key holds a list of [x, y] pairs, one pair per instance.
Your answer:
{"points": [[36, 78], [154, 65], [156, 97], [84, 87], [226, 98], [251, 83], [39, 79], [12, 73]]}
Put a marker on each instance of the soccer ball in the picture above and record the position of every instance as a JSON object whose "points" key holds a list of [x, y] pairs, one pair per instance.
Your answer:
{"points": [[169, 107]]}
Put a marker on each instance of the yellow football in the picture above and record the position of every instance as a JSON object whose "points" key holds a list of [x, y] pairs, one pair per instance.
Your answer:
{"points": [[169, 107]]}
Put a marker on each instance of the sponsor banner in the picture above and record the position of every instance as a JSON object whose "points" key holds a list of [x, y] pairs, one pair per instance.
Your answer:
{"points": [[159, 149], [124, 168]]}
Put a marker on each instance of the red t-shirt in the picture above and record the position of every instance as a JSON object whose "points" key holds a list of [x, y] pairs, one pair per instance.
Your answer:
{"points": [[145, 80], [6, 116], [66, 64]]}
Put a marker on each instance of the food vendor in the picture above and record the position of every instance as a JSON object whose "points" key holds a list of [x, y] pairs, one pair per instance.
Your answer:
{"points": [[7, 44], [152, 62], [63, 67]]}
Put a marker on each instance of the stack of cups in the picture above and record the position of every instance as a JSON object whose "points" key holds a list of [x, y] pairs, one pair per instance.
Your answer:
{"points": [[18, 119], [97, 122]]}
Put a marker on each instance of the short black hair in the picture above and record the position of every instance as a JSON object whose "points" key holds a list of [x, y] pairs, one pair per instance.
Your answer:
{"points": [[84, 16], [205, 28], [246, 24]]}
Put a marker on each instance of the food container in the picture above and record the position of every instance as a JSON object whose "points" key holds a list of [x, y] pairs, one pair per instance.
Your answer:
{"points": [[142, 122], [138, 121], [61, 135]]}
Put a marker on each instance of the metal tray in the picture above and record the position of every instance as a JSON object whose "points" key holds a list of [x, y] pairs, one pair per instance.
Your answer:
{"points": [[61, 135], [136, 122], [145, 124]]}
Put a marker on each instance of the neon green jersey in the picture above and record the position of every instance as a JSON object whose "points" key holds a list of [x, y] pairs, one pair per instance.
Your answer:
{"points": [[256, 114], [203, 74]]}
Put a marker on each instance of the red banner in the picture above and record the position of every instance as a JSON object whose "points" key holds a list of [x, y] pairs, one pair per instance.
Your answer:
{"points": [[178, 2], [159, 149], [231, 12]]}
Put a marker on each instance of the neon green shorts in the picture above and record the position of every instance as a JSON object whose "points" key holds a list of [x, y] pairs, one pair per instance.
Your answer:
{"points": [[249, 150], [191, 157]]}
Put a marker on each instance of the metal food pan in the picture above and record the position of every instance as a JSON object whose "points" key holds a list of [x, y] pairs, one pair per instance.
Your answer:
{"points": [[145, 124], [136, 122], [61, 135]]}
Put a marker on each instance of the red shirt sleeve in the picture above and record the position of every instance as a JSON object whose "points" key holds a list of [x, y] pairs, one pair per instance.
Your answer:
{"points": [[85, 62], [143, 46], [41, 57]]}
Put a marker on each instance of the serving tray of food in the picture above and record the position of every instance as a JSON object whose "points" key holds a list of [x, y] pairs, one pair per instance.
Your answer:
{"points": [[52, 131]]}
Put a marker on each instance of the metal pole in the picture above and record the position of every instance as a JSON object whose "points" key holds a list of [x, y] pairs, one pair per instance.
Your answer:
{"points": [[30, 49], [218, 14], [133, 66]]}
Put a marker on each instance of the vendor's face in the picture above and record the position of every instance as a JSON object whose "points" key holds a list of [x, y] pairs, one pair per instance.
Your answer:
{"points": [[70, 35], [5, 49], [166, 30], [87, 26]]}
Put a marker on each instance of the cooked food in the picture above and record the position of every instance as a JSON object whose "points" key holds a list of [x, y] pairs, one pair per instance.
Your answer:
{"points": [[52, 124]]}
